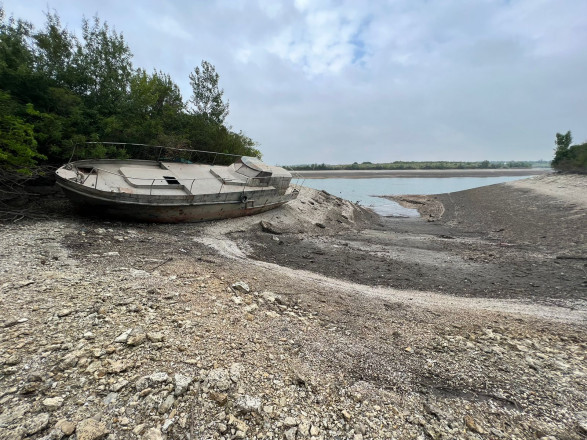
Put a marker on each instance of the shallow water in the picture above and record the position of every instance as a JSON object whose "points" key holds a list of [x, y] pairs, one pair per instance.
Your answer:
{"points": [[365, 191]]}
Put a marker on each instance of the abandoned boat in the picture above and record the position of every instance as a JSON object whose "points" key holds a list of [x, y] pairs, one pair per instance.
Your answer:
{"points": [[172, 190]]}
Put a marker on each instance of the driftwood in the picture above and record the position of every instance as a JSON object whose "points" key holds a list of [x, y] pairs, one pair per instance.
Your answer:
{"points": [[16, 199]]}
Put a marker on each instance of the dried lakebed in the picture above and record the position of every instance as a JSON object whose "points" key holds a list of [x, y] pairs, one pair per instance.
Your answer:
{"points": [[117, 330]]}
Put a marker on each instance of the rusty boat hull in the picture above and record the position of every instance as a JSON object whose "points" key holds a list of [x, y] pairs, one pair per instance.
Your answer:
{"points": [[169, 192]]}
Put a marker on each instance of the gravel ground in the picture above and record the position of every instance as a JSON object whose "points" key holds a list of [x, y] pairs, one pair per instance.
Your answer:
{"points": [[120, 330]]}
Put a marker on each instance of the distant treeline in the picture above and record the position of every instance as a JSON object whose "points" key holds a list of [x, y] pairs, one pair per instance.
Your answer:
{"points": [[398, 165], [567, 157], [58, 90]]}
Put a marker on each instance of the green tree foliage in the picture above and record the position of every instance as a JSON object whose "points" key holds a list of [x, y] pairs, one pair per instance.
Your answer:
{"points": [[58, 90], [207, 97], [569, 157]]}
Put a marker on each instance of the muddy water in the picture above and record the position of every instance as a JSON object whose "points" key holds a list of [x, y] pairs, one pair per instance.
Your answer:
{"points": [[365, 191]]}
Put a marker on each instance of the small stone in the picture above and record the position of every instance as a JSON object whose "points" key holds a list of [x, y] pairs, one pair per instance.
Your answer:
{"points": [[248, 404], [270, 297], [119, 385], [91, 429], [236, 370], [166, 404], [222, 428], [123, 337], [155, 336], [290, 421], [153, 434], [182, 383], [219, 398], [314, 431], [241, 287], [472, 425], [290, 434], [53, 403], [37, 423], [65, 426], [219, 379], [136, 338], [64, 312], [269, 227], [346, 415], [320, 225], [110, 397], [13, 360], [115, 367]]}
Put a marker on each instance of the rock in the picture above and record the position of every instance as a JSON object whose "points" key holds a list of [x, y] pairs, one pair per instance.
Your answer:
{"points": [[166, 404], [12, 434], [219, 398], [290, 421], [241, 287], [270, 297], [346, 415], [269, 227], [472, 425], [13, 360], [146, 382], [37, 423], [167, 424], [290, 434], [155, 336], [238, 424], [90, 429], [115, 367], [123, 337], [304, 429], [153, 434], [65, 426], [139, 429], [119, 385], [582, 421], [12, 416], [136, 338], [182, 383], [64, 312], [219, 379], [53, 403], [236, 369], [248, 404], [314, 431], [110, 397], [320, 225]]}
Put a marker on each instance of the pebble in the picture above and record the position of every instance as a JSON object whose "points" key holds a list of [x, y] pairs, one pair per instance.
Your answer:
{"points": [[53, 403], [91, 429]]}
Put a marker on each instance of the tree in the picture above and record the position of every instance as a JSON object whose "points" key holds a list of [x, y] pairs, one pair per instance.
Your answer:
{"points": [[207, 97], [562, 142], [103, 67], [18, 147]]}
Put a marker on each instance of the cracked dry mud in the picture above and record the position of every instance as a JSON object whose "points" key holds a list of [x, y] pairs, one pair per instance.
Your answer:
{"points": [[220, 330]]}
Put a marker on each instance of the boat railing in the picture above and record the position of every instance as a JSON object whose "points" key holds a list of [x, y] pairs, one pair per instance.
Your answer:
{"points": [[155, 152], [83, 177]]}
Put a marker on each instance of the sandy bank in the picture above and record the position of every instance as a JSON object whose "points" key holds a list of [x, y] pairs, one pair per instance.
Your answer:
{"points": [[356, 174]]}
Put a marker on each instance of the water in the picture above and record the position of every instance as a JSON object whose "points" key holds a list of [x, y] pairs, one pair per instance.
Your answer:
{"points": [[364, 190]]}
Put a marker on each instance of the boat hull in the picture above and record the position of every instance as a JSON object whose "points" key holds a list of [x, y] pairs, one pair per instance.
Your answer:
{"points": [[113, 205]]}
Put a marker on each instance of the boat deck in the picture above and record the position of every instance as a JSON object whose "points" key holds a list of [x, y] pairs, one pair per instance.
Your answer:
{"points": [[163, 178]]}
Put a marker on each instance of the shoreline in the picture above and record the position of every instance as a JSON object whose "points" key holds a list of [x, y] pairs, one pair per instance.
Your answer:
{"points": [[375, 174]]}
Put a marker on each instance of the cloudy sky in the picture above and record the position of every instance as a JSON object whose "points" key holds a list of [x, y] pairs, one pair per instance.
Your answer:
{"points": [[350, 80]]}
